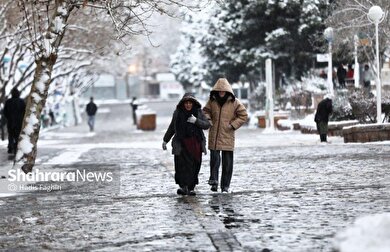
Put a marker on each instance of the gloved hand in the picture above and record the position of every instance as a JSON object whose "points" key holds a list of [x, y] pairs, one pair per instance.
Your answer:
{"points": [[191, 119], [164, 146]]}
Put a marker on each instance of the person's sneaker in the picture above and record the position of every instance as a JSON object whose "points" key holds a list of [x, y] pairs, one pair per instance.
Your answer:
{"points": [[192, 193], [214, 188], [225, 190]]}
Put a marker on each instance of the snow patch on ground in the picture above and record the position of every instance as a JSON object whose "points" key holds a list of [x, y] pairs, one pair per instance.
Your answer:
{"points": [[104, 110], [368, 234], [69, 157]]}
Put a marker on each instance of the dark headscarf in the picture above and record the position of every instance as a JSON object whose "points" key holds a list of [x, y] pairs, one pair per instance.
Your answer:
{"points": [[185, 129]]}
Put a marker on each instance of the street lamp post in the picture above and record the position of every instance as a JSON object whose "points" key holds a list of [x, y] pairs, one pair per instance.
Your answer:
{"points": [[376, 15], [328, 34], [356, 74]]}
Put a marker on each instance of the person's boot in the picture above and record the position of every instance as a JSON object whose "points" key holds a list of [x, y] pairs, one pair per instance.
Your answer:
{"points": [[191, 193], [182, 190], [323, 137], [191, 190], [214, 188]]}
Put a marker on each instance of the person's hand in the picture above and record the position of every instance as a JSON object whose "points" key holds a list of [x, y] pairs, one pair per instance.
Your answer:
{"points": [[164, 146], [231, 127], [191, 119]]}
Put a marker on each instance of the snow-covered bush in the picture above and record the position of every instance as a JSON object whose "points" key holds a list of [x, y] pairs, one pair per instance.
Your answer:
{"points": [[299, 93], [257, 99], [363, 106], [342, 109]]}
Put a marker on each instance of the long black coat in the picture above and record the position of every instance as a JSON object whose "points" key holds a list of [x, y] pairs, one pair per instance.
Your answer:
{"points": [[324, 109], [14, 110]]}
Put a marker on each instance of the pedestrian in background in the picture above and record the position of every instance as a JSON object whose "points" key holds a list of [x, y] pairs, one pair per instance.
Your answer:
{"points": [[350, 72], [91, 112], [367, 77], [350, 75], [341, 75], [227, 114], [134, 106], [324, 109], [52, 117], [14, 110], [188, 143]]}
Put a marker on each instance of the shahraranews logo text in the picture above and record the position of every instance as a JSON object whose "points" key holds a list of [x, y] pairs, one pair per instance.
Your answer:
{"points": [[73, 176]]}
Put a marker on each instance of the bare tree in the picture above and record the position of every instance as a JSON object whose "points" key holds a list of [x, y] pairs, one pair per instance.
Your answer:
{"points": [[14, 55], [349, 20], [47, 22]]}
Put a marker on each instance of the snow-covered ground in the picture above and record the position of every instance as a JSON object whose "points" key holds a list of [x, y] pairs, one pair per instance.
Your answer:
{"points": [[368, 233]]}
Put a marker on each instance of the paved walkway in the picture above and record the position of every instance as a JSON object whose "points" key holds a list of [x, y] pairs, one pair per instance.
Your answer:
{"points": [[290, 193]]}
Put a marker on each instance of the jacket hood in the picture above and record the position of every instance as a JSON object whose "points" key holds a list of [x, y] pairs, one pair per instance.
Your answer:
{"points": [[189, 97], [222, 84]]}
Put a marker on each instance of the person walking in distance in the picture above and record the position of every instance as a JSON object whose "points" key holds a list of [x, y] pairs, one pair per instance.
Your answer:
{"points": [[14, 110], [367, 77], [226, 114], [324, 109], [188, 143], [341, 74], [134, 106], [91, 112]]}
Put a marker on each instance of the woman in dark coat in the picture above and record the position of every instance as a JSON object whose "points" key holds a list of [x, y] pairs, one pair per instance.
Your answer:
{"points": [[188, 143], [324, 109]]}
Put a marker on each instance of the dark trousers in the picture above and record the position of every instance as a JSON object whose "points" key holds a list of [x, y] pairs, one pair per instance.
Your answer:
{"points": [[227, 167], [13, 137], [134, 118]]}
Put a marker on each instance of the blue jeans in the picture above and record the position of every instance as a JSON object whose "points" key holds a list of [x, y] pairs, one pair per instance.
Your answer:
{"points": [[91, 122]]}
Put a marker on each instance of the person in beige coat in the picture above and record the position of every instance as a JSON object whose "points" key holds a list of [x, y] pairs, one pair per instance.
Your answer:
{"points": [[226, 114]]}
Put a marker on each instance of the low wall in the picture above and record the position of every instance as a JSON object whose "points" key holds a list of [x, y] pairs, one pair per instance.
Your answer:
{"points": [[334, 128], [367, 133], [262, 122]]}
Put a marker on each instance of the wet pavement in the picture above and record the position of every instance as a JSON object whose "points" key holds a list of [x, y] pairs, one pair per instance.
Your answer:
{"points": [[290, 193]]}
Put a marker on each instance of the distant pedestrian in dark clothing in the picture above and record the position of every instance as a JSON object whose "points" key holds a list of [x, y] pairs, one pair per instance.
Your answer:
{"points": [[341, 75], [188, 143], [91, 112], [324, 109], [367, 77], [52, 117], [14, 110], [134, 106]]}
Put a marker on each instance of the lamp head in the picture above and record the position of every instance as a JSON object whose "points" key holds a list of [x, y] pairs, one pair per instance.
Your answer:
{"points": [[328, 34], [375, 14]]}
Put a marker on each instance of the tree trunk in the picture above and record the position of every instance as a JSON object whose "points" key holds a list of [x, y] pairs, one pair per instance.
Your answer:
{"points": [[27, 146]]}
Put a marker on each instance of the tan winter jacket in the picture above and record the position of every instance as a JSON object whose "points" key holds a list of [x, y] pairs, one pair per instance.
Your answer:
{"points": [[233, 113]]}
